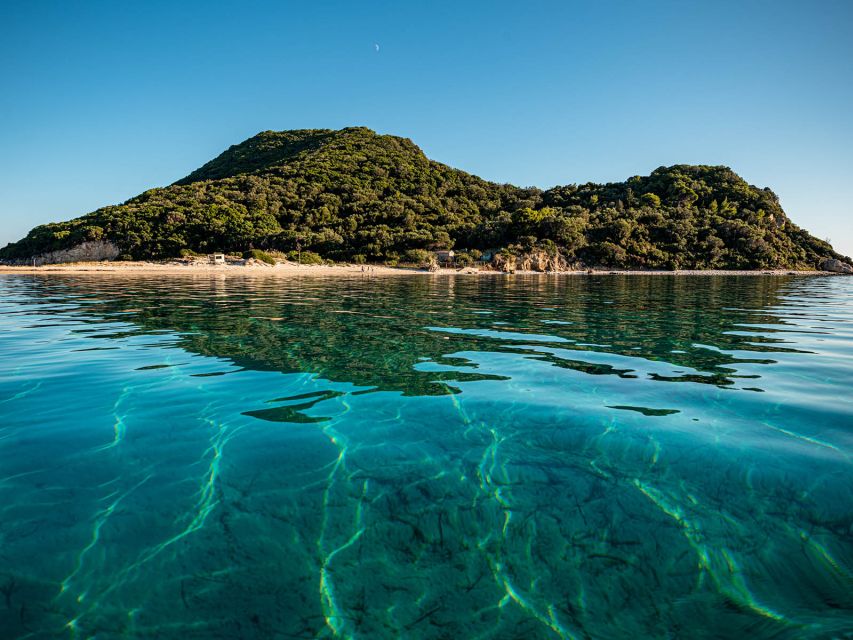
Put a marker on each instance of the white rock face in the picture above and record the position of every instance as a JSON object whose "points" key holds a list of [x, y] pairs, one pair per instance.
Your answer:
{"points": [[90, 251], [836, 266]]}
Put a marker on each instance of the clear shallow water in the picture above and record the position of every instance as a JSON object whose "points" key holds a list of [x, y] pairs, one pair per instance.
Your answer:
{"points": [[426, 457]]}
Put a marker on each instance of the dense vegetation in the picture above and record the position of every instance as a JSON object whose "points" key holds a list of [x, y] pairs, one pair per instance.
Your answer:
{"points": [[357, 196]]}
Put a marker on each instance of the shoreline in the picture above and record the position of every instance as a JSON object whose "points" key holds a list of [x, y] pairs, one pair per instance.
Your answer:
{"points": [[291, 269]]}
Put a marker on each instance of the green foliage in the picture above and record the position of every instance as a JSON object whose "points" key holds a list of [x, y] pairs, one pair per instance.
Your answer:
{"points": [[305, 257], [353, 195], [257, 254], [419, 257], [651, 200], [463, 259]]}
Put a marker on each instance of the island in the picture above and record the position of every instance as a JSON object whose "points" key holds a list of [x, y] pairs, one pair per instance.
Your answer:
{"points": [[352, 196]]}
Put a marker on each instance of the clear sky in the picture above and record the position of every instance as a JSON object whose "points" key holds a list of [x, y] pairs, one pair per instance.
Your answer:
{"points": [[100, 101]]}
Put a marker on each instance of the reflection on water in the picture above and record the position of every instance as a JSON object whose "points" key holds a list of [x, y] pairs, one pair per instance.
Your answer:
{"points": [[436, 457]]}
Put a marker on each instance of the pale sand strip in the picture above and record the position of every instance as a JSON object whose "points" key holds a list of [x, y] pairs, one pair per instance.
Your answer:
{"points": [[292, 269]]}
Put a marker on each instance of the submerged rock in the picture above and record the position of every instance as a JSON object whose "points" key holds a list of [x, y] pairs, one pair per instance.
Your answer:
{"points": [[836, 266]]}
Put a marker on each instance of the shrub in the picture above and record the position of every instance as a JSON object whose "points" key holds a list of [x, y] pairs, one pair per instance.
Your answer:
{"points": [[257, 254], [307, 257], [463, 260], [650, 199], [419, 257]]}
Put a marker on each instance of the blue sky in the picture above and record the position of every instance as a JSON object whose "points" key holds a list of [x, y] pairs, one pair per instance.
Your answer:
{"points": [[100, 101]]}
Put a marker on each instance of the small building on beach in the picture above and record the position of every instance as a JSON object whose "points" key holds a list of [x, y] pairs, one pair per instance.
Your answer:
{"points": [[216, 258]]}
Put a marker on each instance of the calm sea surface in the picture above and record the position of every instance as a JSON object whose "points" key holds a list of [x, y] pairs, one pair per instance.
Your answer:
{"points": [[426, 457]]}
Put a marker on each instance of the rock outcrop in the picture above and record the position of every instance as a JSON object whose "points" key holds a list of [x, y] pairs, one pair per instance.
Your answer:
{"points": [[90, 251], [835, 266], [532, 261]]}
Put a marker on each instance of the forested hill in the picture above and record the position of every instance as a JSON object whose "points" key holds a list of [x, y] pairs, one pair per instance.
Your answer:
{"points": [[355, 195]]}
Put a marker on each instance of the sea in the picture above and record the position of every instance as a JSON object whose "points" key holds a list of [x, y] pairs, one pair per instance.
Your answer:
{"points": [[425, 456]]}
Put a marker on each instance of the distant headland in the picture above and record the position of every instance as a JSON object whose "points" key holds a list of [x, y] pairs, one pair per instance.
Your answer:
{"points": [[355, 196]]}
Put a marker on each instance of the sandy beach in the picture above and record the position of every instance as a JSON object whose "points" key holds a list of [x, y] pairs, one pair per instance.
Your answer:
{"points": [[293, 269]]}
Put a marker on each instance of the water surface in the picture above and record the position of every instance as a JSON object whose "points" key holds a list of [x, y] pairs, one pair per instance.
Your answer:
{"points": [[426, 457]]}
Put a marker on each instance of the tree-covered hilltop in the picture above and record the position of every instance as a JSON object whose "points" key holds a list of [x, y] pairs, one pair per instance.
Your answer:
{"points": [[358, 196]]}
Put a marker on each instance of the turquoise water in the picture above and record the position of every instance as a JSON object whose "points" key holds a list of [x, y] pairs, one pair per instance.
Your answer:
{"points": [[426, 457]]}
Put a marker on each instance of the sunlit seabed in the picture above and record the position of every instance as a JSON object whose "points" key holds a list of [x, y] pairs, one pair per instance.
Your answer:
{"points": [[433, 457]]}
